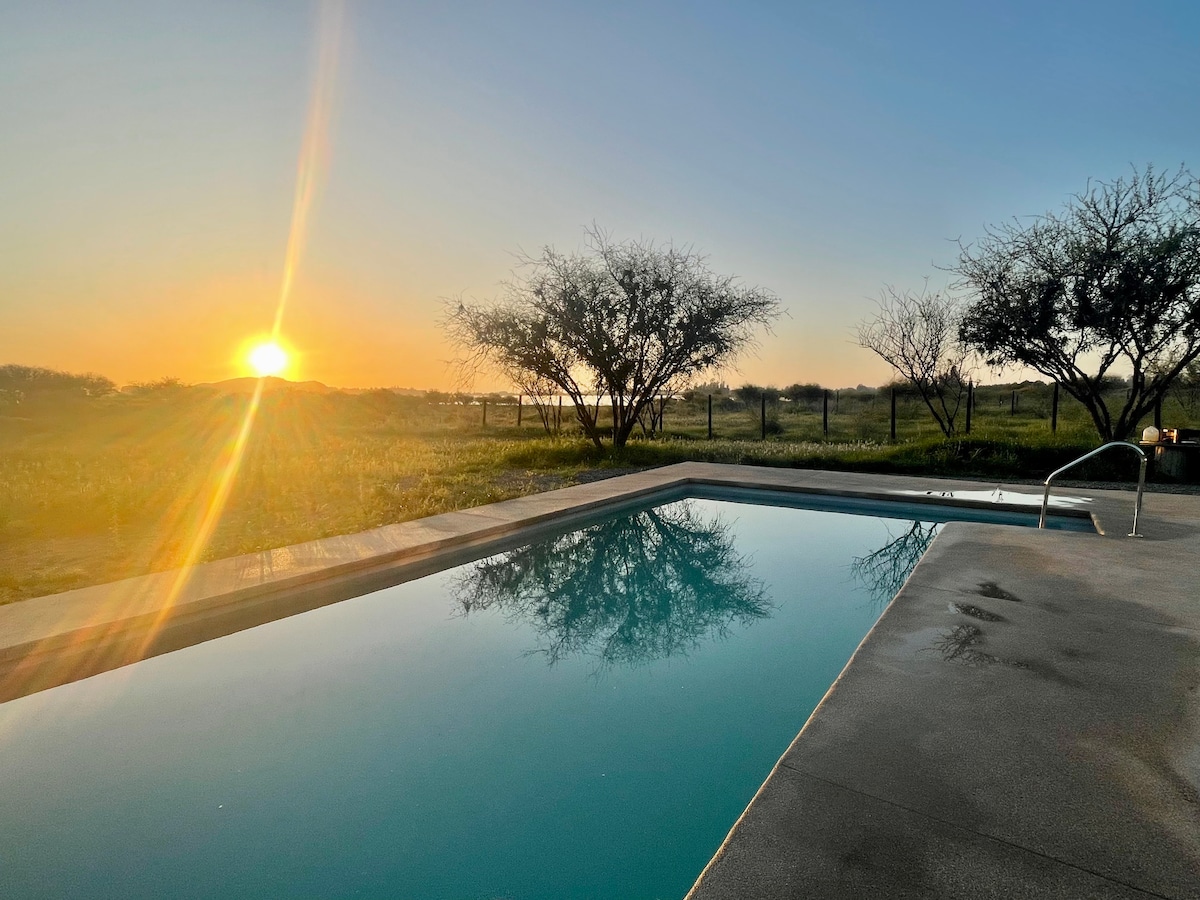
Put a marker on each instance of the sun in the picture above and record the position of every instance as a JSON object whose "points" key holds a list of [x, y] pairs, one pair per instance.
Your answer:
{"points": [[267, 358]]}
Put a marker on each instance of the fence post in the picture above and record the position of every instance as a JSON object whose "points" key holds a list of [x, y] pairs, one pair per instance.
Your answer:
{"points": [[710, 417], [825, 412], [1012, 410], [970, 398], [558, 421], [518, 410], [485, 412], [837, 401], [764, 416], [893, 415], [1054, 409]]}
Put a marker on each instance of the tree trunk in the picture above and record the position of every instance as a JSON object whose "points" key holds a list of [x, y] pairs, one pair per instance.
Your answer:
{"points": [[589, 423], [1096, 409], [621, 437]]}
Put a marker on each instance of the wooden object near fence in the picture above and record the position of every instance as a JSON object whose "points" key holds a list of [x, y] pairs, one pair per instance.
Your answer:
{"points": [[518, 410], [970, 403], [763, 417], [558, 419], [893, 415], [485, 413], [710, 417], [1012, 409], [825, 413]]}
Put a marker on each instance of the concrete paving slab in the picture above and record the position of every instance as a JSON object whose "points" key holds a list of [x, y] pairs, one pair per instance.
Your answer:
{"points": [[1041, 744], [808, 838], [1145, 580]]}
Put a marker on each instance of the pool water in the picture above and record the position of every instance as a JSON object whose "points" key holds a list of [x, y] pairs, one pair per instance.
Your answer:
{"points": [[584, 717]]}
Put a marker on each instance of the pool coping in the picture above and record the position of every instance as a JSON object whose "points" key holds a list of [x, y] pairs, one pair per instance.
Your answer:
{"points": [[825, 821]]}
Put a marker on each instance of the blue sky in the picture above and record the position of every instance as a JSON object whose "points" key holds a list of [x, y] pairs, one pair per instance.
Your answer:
{"points": [[821, 150]]}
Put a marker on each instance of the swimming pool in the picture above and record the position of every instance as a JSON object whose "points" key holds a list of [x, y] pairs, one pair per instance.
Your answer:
{"points": [[584, 716]]}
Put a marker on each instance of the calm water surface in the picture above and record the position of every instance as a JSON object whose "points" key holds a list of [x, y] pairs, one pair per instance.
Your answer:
{"points": [[582, 718]]}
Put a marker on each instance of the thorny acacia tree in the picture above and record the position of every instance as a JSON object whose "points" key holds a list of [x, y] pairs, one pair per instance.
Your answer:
{"points": [[629, 322], [917, 335], [1110, 285]]}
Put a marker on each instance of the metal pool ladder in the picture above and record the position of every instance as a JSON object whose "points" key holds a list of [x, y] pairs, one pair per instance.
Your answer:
{"points": [[1137, 506]]}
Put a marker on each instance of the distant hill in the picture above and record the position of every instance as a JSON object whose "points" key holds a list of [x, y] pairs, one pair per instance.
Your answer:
{"points": [[248, 384]]}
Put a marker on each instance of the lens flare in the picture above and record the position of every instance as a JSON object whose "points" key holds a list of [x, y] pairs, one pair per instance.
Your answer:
{"points": [[311, 164], [314, 152]]}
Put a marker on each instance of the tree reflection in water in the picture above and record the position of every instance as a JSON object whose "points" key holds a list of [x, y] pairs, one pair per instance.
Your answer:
{"points": [[636, 589], [884, 572]]}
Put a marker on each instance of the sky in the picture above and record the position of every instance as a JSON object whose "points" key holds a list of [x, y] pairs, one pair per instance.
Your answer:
{"points": [[150, 155]]}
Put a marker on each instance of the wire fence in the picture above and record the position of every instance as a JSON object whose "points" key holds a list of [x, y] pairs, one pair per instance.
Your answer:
{"points": [[879, 415]]}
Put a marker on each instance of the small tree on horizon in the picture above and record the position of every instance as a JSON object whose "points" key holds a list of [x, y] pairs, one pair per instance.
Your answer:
{"points": [[30, 381], [804, 393], [917, 335], [753, 394], [629, 322]]}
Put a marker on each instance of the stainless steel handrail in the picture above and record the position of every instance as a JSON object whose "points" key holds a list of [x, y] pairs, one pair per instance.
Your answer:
{"points": [[1137, 506]]}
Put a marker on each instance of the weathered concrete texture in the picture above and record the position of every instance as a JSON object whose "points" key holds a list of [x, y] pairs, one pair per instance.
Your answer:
{"points": [[807, 838], [1037, 692]]}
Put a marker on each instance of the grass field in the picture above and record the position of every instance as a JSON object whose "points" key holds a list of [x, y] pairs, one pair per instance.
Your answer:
{"points": [[97, 489]]}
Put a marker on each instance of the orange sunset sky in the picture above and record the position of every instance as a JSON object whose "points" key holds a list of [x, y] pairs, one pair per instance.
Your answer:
{"points": [[165, 165]]}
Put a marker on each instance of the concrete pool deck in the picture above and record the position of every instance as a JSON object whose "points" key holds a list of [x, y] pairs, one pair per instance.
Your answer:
{"points": [[1023, 720]]}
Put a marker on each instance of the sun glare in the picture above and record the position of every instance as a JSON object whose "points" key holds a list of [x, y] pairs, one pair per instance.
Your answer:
{"points": [[267, 359]]}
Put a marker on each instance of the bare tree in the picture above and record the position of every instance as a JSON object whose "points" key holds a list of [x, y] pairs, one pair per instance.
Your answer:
{"points": [[627, 322], [1111, 285], [917, 335]]}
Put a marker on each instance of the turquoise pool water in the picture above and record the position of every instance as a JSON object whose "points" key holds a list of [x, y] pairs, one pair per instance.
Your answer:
{"points": [[584, 717]]}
